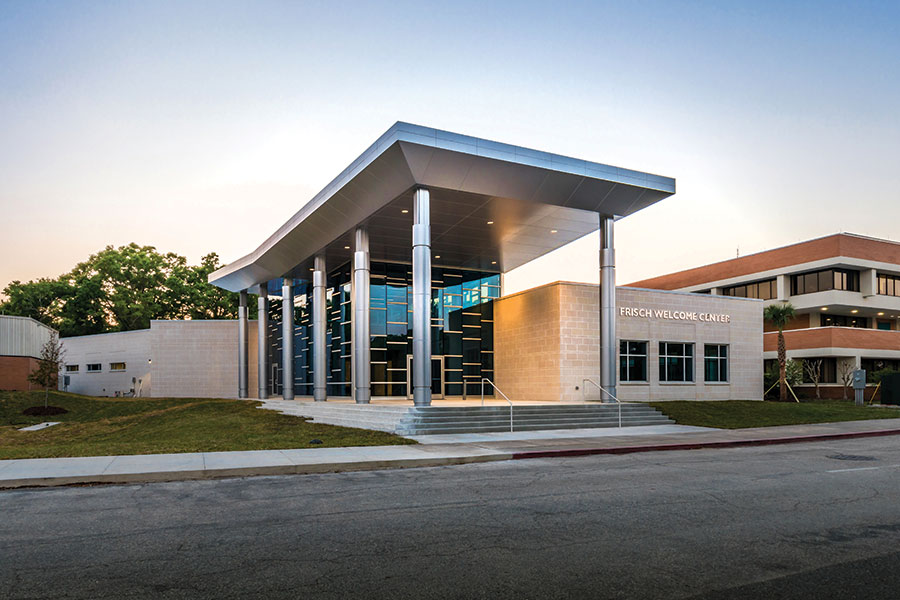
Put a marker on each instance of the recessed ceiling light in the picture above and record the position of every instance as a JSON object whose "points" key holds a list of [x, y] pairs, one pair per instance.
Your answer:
{"points": [[880, 314], [552, 231], [437, 255], [824, 308], [404, 211], [311, 269], [490, 222], [346, 247], [854, 311], [493, 262]]}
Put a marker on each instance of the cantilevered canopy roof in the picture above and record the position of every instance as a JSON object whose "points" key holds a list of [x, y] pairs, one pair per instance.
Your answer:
{"points": [[493, 206]]}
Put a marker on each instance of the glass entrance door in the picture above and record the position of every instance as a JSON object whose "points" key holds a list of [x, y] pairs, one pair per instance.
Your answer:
{"points": [[437, 376]]}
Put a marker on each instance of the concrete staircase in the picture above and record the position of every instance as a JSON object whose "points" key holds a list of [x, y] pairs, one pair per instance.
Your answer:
{"points": [[411, 420]]}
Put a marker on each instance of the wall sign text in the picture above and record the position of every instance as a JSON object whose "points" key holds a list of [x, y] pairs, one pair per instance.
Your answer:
{"points": [[674, 315]]}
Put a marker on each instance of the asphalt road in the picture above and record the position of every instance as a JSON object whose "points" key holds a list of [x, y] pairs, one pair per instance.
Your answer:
{"points": [[793, 521]]}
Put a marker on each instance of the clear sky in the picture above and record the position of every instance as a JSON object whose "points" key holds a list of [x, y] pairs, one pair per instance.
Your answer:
{"points": [[198, 127]]}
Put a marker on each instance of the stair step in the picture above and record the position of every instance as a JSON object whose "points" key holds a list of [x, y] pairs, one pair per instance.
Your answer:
{"points": [[414, 420]]}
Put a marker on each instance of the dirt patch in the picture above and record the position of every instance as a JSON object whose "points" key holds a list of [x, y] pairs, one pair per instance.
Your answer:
{"points": [[43, 411]]}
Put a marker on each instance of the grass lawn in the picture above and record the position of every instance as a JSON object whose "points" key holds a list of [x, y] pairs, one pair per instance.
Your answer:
{"points": [[108, 426], [734, 414]]}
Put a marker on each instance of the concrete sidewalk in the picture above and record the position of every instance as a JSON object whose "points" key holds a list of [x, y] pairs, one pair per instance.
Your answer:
{"points": [[432, 451]]}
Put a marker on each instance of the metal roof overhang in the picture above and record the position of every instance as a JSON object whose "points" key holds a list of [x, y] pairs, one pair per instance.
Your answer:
{"points": [[527, 194]]}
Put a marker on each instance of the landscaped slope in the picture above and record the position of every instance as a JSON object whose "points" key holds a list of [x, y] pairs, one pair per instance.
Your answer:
{"points": [[740, 414], [110, 426]]}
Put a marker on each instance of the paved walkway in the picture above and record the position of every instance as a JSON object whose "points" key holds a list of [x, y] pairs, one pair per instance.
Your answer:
{"points": [[432, 451]]}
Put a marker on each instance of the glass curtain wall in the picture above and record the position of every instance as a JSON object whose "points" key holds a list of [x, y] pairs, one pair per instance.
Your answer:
{"points": [[462, 330]]}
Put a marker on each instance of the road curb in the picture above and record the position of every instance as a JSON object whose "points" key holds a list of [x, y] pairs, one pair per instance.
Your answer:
{"points": [[408, 463], [819, 437], [255, 471]]}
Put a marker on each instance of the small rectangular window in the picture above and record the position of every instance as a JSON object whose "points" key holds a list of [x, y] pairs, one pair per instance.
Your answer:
{"points": [[715, 363], [764, 290], [71, 368], [117, 366], [888, 285], [94, 367], [632, 361], [676, 362]]}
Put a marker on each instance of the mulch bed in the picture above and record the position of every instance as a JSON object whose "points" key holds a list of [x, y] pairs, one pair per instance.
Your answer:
{"points": [[44, 411]]}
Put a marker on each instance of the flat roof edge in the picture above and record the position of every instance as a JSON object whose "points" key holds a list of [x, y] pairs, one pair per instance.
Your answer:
{"points": [[439, 139]]}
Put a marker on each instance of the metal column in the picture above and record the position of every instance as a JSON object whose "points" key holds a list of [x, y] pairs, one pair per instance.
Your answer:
{"points": [[361, 355], [320, 362], [421, 298], [287, 339], [242, 346], [608, 340], [262, 342]]}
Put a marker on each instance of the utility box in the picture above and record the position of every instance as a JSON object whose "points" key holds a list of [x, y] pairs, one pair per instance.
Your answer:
{"points": [[859, 379], [859, 385]]}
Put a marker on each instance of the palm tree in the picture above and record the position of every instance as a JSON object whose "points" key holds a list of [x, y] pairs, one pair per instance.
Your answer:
{"points": [[779, 315]]}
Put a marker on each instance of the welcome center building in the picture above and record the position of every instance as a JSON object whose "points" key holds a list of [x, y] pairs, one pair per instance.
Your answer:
{"points": [[389, 284]]}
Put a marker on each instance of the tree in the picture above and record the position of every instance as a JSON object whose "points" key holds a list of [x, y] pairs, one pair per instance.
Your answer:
{"points": [[46, 374], [779, 315], [121, 289], [845, 372], [813, 370], [40, 299]]}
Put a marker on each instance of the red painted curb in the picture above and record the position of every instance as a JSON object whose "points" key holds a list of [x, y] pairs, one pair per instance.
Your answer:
{"points": [[701, 445]]}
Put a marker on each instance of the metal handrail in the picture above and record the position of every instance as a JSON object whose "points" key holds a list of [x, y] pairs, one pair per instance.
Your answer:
{"points": [[505, 397], [603, 391]]}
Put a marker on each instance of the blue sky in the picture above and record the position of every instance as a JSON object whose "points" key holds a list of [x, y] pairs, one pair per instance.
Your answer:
{"points": [[201, 127]]}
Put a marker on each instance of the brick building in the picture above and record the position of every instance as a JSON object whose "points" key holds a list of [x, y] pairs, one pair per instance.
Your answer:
{"points": [[21, 340], [845, 288]]}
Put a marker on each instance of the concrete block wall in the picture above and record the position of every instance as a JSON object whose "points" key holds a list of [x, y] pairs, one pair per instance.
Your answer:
{"points": [[199, 359], [526, 344], [579, 341], [129, 347], [742, 334], [547, 341]]}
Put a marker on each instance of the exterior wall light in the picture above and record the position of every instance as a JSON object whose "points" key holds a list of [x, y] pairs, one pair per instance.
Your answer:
{"points": [[552, 231], [404, 211], [490, 222]]}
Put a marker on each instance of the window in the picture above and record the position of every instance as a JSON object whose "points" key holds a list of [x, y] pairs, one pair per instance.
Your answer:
{"points": [[94, 368], [844, 321], [715, 363], [764, 290], [117, 366], [821, 281], [71, 368], [632, 361], [871, 365], [827, 370], [888, 285], [676, 362]]}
